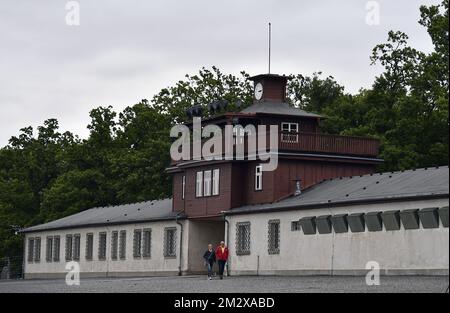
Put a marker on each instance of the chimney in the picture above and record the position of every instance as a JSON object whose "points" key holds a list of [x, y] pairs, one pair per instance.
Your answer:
{"points": [[298, 187]]}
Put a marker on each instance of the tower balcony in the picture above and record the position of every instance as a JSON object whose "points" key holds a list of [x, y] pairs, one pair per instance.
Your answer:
{"points": [[313, 144]]}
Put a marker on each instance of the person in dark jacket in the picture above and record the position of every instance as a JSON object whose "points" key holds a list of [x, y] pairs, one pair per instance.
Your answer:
{"points": [[222, 257], [210, 259]]}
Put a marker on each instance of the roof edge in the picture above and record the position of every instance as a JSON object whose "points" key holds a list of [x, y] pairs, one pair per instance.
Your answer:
{"points": [[158, 219], [338, 203]]}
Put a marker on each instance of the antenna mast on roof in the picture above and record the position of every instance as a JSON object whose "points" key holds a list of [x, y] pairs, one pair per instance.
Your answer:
{"points": [[270, 43]]}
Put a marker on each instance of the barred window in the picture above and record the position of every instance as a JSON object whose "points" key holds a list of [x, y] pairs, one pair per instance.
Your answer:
{"points": [[274, 237], [123, 245], [56, 248], [170, 242], [37, 249], [243, 238], [295, 226], [114, 245], [49, 251], [69, 247], [137, 243], [147, 248], [102, 246], [89, 246], [30, 250], [76, 247]]}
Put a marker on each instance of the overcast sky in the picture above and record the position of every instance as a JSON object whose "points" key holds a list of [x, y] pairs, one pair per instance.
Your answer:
{"points": [[125, 51]]}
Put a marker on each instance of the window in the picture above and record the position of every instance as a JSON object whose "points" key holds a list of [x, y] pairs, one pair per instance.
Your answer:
{"points": [[207, 183], [258, 177], [37, 249], [239, 135], [69, 247], [137, 243], [243, 238], [114, 245], [147, 248], [274, 237], [215, 184], [76, 247], [89, 246], [289, 132], [199, 185], [30, 249], [295, 226], [56, 248], [49, 251], [170, 242], [102, 246], [123, 245], [183, 187]]}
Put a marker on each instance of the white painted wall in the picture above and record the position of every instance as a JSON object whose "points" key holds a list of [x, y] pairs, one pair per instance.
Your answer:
{"points": [[156, 264], [422, 251], [201, 233]]}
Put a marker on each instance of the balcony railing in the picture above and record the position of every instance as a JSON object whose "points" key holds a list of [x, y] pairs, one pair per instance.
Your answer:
{"points": [[332, 144], [316, 143]]}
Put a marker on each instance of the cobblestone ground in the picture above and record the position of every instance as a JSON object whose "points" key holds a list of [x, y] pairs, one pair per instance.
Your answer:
{"points": [[232, 285]]}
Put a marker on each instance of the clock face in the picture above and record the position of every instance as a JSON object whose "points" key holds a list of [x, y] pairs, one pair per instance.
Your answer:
{"points": [[258, 91]]}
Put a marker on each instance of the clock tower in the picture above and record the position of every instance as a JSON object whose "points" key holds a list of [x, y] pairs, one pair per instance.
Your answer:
{"points": [[270, 88]]}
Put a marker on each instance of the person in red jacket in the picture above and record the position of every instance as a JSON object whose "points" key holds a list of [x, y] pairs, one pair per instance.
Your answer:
{"points": [[222, 257]]}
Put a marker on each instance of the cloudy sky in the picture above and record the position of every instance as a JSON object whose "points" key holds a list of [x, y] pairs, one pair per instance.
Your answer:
{"points": [[124, 51]]}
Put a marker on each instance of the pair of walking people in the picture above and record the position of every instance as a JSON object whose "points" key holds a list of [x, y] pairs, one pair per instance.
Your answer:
{"points": [[220, 254]]}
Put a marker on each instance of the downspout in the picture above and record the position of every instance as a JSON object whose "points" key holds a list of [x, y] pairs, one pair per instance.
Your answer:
{"points": [[228, 239], [24, 259], [181, 244]]}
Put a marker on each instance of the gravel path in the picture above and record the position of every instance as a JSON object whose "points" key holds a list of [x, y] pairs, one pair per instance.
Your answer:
{"points": [[232, 285]]}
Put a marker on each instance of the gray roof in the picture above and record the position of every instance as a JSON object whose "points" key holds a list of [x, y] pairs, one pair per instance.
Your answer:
{"points": [[382, 187], [281, 108], [120, 214]]}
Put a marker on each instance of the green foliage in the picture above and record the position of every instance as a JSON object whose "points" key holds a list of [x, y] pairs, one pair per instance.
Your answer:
{"points": [[48, 174]]}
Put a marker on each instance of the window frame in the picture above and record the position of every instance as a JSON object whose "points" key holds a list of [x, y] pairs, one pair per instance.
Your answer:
{"points": [[56, 248], [102, 245], [123, 245], [183, 187], [295, 226], [114, 245], [49, 249], [69, 247], [199, 184], [76, 250], [207, 183], [215, 184], [243, 247], [37, 249], [147, 243], [289, 134], [137, 244], [258, 178], [89, 250], [31, 244], [273, 243], [170, 251]]}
